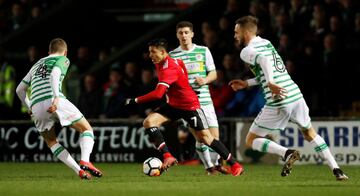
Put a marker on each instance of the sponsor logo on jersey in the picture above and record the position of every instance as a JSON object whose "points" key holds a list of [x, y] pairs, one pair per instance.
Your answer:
{"points": [[194, 67]]}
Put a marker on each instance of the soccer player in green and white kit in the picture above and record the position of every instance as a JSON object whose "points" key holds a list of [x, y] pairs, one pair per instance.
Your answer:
{"points": [[284, 101], [201, 72], [47, 104]]}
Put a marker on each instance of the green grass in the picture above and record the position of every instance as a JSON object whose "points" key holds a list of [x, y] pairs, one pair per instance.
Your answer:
{"points": [[127, 179]]}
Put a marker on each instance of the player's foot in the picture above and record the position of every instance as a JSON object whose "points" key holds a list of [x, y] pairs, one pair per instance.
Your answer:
{"points": [[339, 174], [223, 169], [211, 171], [169, 161], [290, 157], [84, 175], [88, 166], [237, 169]]}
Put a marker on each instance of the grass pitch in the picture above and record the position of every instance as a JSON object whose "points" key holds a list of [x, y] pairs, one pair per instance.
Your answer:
{"points": [[51, 179]]}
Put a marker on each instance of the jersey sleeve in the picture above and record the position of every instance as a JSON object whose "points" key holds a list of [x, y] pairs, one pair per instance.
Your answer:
{"points": [[27, 79], [63, 63], [249, 55], [22, 88], [54, 81], [209, 61]]}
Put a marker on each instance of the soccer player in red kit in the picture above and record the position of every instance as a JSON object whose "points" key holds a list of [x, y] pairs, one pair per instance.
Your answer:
{"points": [[182, 102]]}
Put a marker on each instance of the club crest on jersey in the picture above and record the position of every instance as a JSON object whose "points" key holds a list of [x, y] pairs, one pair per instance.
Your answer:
{"points": [[198, 57]]}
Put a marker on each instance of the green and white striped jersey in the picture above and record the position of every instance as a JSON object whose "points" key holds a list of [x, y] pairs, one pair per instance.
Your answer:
{"points": [[259, 47], [38, 78], [198, 62]]}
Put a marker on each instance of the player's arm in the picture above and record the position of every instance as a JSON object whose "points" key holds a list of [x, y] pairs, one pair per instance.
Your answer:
{"points": [[55, 87], [166, 78], [22, 88], [239, 84], [211, 76], [154, 95], [267, 66]]}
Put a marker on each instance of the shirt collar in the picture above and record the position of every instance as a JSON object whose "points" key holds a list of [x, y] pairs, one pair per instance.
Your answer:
{"points": [[190, 50], [254, 39]]}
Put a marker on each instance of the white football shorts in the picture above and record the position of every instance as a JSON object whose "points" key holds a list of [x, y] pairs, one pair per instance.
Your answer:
{"points": [[66, 113], [276, 119], [210, 115]]}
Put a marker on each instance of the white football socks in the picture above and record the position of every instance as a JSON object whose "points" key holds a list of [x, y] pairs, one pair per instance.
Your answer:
{"points": [[268, 146], [86, 144], [322, 148], [214, 157], [204, 154], [61, 153]]}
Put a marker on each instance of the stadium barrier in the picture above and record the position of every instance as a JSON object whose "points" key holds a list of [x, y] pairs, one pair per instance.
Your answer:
{"points": [[122, 140]]}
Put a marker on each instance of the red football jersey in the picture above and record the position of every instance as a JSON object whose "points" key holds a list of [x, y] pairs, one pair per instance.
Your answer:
{"points": [[173, 74]]}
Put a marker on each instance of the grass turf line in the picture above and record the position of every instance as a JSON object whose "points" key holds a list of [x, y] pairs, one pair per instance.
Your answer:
{"points": [[127, 179]]}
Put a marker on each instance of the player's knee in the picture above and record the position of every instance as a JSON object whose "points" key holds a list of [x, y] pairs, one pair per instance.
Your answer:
{"points": [[309, 134], [147, 123], [50, 141], [249, 142], [204, 137], [203, 140], [152, 120]]}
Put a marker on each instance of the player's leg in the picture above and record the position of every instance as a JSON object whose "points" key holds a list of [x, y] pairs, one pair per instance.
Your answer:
{"points": [[215, 164], [262, 144], [204, 151], [301, 116], [215, 157], [86, 142], [320, 146], [151, 124], [69, 115], [204, 136], [267, 121], [61, 153], [45, 124], [199, 127]]}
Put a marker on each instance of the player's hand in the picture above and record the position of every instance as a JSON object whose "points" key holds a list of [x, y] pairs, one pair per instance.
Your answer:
{"points": [[129, 101], [54, 105], [201, 81], [238, 84], [277, 92]]}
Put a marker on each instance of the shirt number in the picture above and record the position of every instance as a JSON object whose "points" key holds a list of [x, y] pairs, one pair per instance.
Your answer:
{"points": [[195, 120]]}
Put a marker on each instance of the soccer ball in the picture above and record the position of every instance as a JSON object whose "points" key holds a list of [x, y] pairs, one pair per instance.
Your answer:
{"points": [[151, 166]]}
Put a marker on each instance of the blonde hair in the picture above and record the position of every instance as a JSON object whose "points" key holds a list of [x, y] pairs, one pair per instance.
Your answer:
{"points": [[57, 45], [248, 22]]}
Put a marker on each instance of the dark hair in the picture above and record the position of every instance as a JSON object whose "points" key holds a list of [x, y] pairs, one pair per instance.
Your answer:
{"points": [[159, 43], [57, 45], [183, 24], [248, 22]]}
